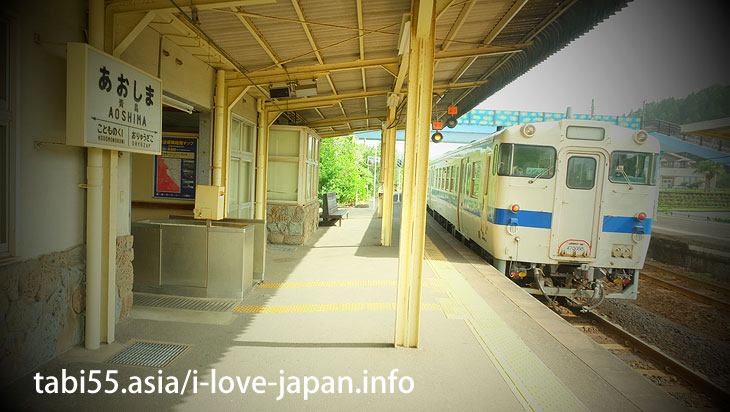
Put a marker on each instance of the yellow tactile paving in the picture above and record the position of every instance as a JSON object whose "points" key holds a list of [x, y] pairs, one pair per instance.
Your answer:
{"points": [[532, 383], [452, 309], [325, 307], [331, 283]]}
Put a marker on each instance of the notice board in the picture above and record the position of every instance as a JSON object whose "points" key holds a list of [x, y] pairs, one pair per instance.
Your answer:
{"points": [[175, 169]]}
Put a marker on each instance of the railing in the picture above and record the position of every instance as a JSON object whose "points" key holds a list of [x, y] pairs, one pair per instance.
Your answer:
{"points": [[674, 130]]}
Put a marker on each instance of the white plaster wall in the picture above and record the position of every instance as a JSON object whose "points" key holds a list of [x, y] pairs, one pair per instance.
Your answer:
{"points": [[246, 107], [50, 205]]}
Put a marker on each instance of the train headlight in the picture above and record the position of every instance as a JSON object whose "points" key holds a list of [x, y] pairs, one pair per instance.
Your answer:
{"points": [[641, 216], [528, 130], [514, 208], [640, 136]]}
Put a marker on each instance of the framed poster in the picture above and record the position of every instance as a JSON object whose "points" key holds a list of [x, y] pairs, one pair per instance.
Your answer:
{"points": [[175, 169]]}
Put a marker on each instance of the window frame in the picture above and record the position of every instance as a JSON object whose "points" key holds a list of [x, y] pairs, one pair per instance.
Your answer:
{"points": [[512, 157], [652, 171], [603, 135], [567, 173], [8, 114], [241, 156]]}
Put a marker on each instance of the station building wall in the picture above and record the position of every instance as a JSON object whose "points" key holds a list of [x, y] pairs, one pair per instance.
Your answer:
{"points": [[42, 274]]}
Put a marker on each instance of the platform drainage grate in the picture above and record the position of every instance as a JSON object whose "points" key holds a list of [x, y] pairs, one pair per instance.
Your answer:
{"points": [[152, 354], [176, 302]]}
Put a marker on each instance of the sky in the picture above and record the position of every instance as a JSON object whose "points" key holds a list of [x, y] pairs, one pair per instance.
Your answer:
{"points": [[650, 50]]}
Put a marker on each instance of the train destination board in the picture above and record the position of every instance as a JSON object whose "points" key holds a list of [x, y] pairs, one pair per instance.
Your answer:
{"points": [[111, 104]]}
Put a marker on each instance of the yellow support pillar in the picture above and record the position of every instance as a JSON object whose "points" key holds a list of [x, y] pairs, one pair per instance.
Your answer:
{"points": [[382, 174], [101, 221], [388, 161], [413, 218], [262, 159], [219, 127]]}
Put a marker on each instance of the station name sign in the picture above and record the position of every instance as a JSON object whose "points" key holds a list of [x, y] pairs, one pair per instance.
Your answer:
{"points": [[111, 104]]}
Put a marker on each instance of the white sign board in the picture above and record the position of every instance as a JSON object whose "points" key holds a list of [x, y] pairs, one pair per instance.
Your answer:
{"points": [[111, 104]]}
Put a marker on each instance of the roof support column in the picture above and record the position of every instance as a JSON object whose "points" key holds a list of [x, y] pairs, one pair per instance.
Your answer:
{"points": [[388, 162], [218, 127], [262, 159], [383, 168], [413, 218], [102, 198]]}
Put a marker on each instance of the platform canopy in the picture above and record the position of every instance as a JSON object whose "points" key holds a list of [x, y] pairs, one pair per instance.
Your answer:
{"points": [[347, 55], [716, 129]]}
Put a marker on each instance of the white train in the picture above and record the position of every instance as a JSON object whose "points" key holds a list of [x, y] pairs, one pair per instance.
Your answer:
{"points": [[563, 208]]}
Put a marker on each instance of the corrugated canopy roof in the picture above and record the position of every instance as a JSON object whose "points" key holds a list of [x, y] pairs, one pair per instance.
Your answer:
{"points": [[351, 49]]}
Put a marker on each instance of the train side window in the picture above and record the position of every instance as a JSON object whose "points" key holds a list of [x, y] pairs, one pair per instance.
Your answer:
{"points": [[581, 173], [452, 175], [495, 160], [504, 159], [475, 172], [466, 180], [486, 175], [522, 160]]}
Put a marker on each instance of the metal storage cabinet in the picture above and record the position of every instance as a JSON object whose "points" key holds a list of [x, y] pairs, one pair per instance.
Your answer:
{"points": [[193, 258]]}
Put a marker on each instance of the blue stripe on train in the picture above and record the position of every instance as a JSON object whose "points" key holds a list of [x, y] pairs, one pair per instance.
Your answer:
{"points": [[525, 218], [625, 224], [543, 220]]}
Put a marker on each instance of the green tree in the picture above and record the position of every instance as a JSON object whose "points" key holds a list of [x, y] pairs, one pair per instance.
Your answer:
{"points": [[343, 168], [710, 170], [707, 104]]}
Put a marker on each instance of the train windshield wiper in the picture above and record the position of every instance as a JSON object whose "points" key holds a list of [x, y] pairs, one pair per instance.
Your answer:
{"points": [[620, 168], [531, 181]]}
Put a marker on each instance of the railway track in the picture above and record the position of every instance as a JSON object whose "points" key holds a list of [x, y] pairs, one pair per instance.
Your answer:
{"points": [[697, 381], [705, 292]]}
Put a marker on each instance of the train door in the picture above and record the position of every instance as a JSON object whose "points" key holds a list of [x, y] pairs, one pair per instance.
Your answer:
{"points": [[460, 195], [577, 205], [486, 170]]}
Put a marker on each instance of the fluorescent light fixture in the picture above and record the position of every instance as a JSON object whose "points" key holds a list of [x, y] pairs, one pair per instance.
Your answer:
{"points": [[177, 104]]}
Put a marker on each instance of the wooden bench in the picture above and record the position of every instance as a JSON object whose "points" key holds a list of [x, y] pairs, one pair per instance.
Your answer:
{"points": [[330, 212]]}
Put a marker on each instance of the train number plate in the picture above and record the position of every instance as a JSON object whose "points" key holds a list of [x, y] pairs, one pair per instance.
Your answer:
{"points": [[575, 248]]}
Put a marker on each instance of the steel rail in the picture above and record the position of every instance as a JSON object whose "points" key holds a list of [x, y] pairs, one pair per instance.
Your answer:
{"points": [[675, 366], [689, 279], [701, 297]]}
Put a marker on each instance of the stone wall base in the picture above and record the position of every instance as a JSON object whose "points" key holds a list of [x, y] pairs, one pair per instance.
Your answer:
{"points": [[42, 304], [125, 276], [291, 224]]}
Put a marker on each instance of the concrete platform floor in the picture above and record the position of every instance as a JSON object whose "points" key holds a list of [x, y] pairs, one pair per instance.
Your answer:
{"points": [[328, 310]]}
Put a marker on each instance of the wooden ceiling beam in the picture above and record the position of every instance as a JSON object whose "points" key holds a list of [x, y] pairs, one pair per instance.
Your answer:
{"points": [[385, 61], [305, 26]]}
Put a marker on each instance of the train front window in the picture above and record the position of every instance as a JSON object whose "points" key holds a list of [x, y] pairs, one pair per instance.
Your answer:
{"points": [[581, 173], [523, 160], [637, 167]]}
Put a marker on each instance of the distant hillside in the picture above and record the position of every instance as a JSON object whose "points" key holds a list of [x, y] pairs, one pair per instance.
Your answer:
{"points": [[707, 104]]}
